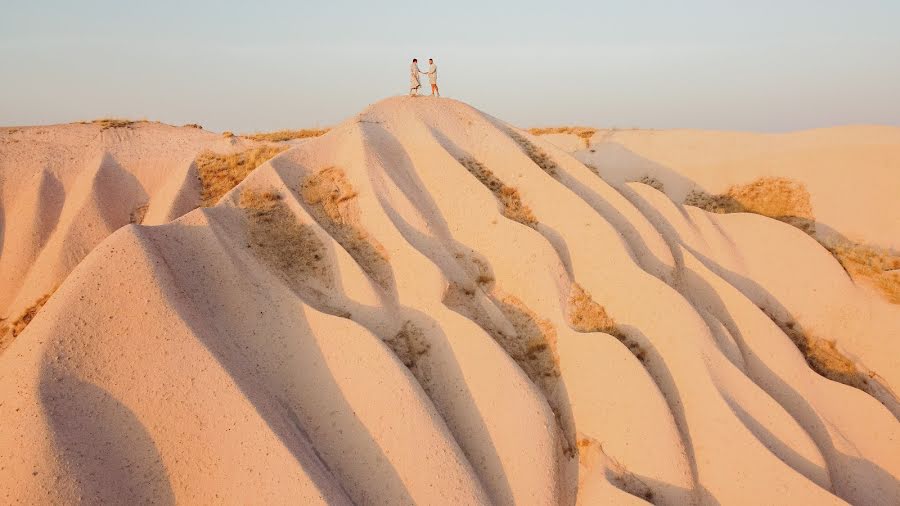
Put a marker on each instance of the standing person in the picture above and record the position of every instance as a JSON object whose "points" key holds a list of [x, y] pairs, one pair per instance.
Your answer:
{"points": [[432, 77], [414, 72]]}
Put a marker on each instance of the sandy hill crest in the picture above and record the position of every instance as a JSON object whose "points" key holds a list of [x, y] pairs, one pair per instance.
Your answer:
{"points": [[423, 305]]}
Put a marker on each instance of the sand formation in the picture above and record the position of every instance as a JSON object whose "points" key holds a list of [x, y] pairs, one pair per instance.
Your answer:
{"points": [[426, 305]]}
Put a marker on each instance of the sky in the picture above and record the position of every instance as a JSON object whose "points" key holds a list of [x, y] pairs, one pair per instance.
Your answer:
{"points": [[244, 66]]}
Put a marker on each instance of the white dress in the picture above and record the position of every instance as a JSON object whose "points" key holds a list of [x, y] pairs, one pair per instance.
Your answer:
{"points": [[432, 73], [414, 76]]}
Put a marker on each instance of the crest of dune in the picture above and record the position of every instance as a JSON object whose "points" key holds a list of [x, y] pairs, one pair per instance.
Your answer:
{"points": [[426, 305]]}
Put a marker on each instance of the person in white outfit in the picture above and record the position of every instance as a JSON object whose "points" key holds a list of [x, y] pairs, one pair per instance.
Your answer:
{"points": [[414, 72], [432, 77]]}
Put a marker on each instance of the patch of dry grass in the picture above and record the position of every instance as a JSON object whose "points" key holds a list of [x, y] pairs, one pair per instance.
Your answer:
{"points": [[585, 315], [107, 123], [193, 125], [585, 133], [651, 182], [537, 155], [286, 135], [509, 198], [788, 201], [8, 332], [227, 134], [823, 356], [290, 248], [775, 197], [220, 172], [534, 345], [332, 202], [869, 264]]}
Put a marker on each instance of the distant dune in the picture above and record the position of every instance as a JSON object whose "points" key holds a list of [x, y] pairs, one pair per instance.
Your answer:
{"points": [[427, 305]]}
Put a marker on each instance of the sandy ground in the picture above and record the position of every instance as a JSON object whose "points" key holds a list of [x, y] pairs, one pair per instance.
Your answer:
{"points": [[427, 305]]}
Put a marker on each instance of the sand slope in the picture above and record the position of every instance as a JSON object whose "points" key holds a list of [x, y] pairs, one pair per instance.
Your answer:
{"points": [[424, 306]]}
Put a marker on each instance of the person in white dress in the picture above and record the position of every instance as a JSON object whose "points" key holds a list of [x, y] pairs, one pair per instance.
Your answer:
{"points": [[414, 72], [432, 77]]}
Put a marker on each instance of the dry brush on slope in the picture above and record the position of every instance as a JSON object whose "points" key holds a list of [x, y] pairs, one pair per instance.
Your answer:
{"points": [[789, 201], [291, 249], [537, 155], [287, 135], [108, 123], [332, 202], [220, 172], [584, 133], [508, 197], [585, 315], [8, 332]]}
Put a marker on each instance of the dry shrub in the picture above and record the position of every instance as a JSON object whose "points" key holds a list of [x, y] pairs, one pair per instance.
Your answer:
{"points": [[227, 134], [585, 133], [869, 264], [775, 197], [286, 135], [534, 345], [585, 315], [193, 125], [652, 182], [332, 202], [107, 123], [220, 172], [290, 248], [537, 155], [8, 332], [823, 356], [509, 198], [788, 201]]}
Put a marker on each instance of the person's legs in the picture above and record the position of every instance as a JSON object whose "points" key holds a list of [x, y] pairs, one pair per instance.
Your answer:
{"points": [[433, 89]]}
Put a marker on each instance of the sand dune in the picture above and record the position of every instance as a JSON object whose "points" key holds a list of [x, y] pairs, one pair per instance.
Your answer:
{"points": [[427, 305]]}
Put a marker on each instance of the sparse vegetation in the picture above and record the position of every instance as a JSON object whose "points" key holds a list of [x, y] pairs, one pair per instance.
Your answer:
{"points": [[332, 202], [585, 133], [509, 198], [823, 356], [107, 123], [871, 264], [286, 135], [8, 332], [227, 134], [220, 172], [532, 345], [193, 125], [537, 155], [291, 249], [585, 315], [651, 182], [788, 201]]}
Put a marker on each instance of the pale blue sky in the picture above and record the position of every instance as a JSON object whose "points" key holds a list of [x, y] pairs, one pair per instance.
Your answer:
{"points": [[260, 65]]}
